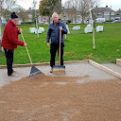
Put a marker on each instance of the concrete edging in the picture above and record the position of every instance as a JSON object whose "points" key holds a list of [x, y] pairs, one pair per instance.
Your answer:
{"points": [[93, 63], [42, 64], [118, 62], [106, 69]]}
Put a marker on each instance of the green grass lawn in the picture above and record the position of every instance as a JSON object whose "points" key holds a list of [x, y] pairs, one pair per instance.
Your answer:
{"points": [[78, 46]]}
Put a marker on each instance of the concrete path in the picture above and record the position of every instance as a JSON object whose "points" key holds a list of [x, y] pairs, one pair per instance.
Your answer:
{"points": [[82, 69], [115, 67], [19, 74]]}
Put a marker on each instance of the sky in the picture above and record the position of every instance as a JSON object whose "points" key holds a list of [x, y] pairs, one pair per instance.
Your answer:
{"points": [[114, 4]]}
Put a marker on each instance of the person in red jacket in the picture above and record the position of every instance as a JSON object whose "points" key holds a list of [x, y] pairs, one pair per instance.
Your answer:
{"points": [[10, 41]]}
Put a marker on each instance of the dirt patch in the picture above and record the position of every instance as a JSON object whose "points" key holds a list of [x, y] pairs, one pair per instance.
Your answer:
{"points": [[46, 98]]}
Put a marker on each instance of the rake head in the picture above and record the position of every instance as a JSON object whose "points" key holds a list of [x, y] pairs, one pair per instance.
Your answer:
{"points": [[34, 71]]}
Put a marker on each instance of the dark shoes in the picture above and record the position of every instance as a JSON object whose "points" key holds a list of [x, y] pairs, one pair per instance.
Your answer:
{"points": [[10, 73], [63, 66]]}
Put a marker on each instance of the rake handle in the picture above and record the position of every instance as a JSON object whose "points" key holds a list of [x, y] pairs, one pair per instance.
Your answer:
{"points": [[27, 49]]}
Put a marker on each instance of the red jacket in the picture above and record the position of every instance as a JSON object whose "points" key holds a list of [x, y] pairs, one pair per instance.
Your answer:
{"points": [[10, 36]]}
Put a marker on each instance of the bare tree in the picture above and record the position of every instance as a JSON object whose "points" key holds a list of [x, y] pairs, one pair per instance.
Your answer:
{"points": [[85, 8], [23, 14], [70, 9], [10, 4], [47, 7], [7, 4], [58, 7], [1, 6], [1, 9], [5, 7], [82, 6]]}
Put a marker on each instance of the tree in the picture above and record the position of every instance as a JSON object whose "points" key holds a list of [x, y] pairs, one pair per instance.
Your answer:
{"points": [[1, 6], [10, 4], [5, 7], [7, 4], [23, 14], [58, 7], [82, 6], [47, 7], [70, 10], [86, 7], [1, 11]]}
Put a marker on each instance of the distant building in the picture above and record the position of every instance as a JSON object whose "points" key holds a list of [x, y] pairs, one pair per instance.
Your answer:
{"points": [[103, 12], [98, 12], [71, 14], [118, 13], [43, 19]]}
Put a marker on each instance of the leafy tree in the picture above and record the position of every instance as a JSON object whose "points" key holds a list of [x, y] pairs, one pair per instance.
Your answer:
{"points": [[47, 7]]}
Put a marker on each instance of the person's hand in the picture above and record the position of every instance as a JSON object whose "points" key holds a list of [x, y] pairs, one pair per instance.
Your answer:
{"points": [[20, 30], [25, 44], [60, 28], [48, 44], [2, 49]]}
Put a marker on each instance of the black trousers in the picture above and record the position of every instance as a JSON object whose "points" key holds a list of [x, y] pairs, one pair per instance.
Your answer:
{"points": [[9, 60], [54, 48]]}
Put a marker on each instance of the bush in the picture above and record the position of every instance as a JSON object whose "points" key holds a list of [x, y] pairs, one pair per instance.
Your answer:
{"points": [[108, 20], [69, 21]]}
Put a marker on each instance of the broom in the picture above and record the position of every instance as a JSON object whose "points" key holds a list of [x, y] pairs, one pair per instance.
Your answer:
{"points": [[58, 68], [34, 70]]}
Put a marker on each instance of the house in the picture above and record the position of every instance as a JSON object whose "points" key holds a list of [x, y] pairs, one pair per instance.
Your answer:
{"points": [[103, 12], [72, 15], [98, 12], [118, 14], [43, 19]]}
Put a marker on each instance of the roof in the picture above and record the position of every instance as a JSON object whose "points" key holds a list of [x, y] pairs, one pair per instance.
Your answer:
{"points": [[119, 11], [103, 9]]}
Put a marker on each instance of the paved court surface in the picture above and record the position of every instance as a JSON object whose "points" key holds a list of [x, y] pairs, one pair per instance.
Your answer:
{"points": [[82, 69]]}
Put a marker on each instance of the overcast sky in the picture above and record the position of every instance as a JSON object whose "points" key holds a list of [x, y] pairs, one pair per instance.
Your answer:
{"points": [[115, 4]]}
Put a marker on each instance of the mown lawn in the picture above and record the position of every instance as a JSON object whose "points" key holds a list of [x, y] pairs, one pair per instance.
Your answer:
{"points": [[78, 46]]}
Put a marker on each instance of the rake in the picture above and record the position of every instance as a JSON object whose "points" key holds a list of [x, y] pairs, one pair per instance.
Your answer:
{"points": [[34, 70]]}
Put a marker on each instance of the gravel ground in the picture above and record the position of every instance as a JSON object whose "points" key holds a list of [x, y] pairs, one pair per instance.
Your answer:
{"points": [[61, 98]]}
